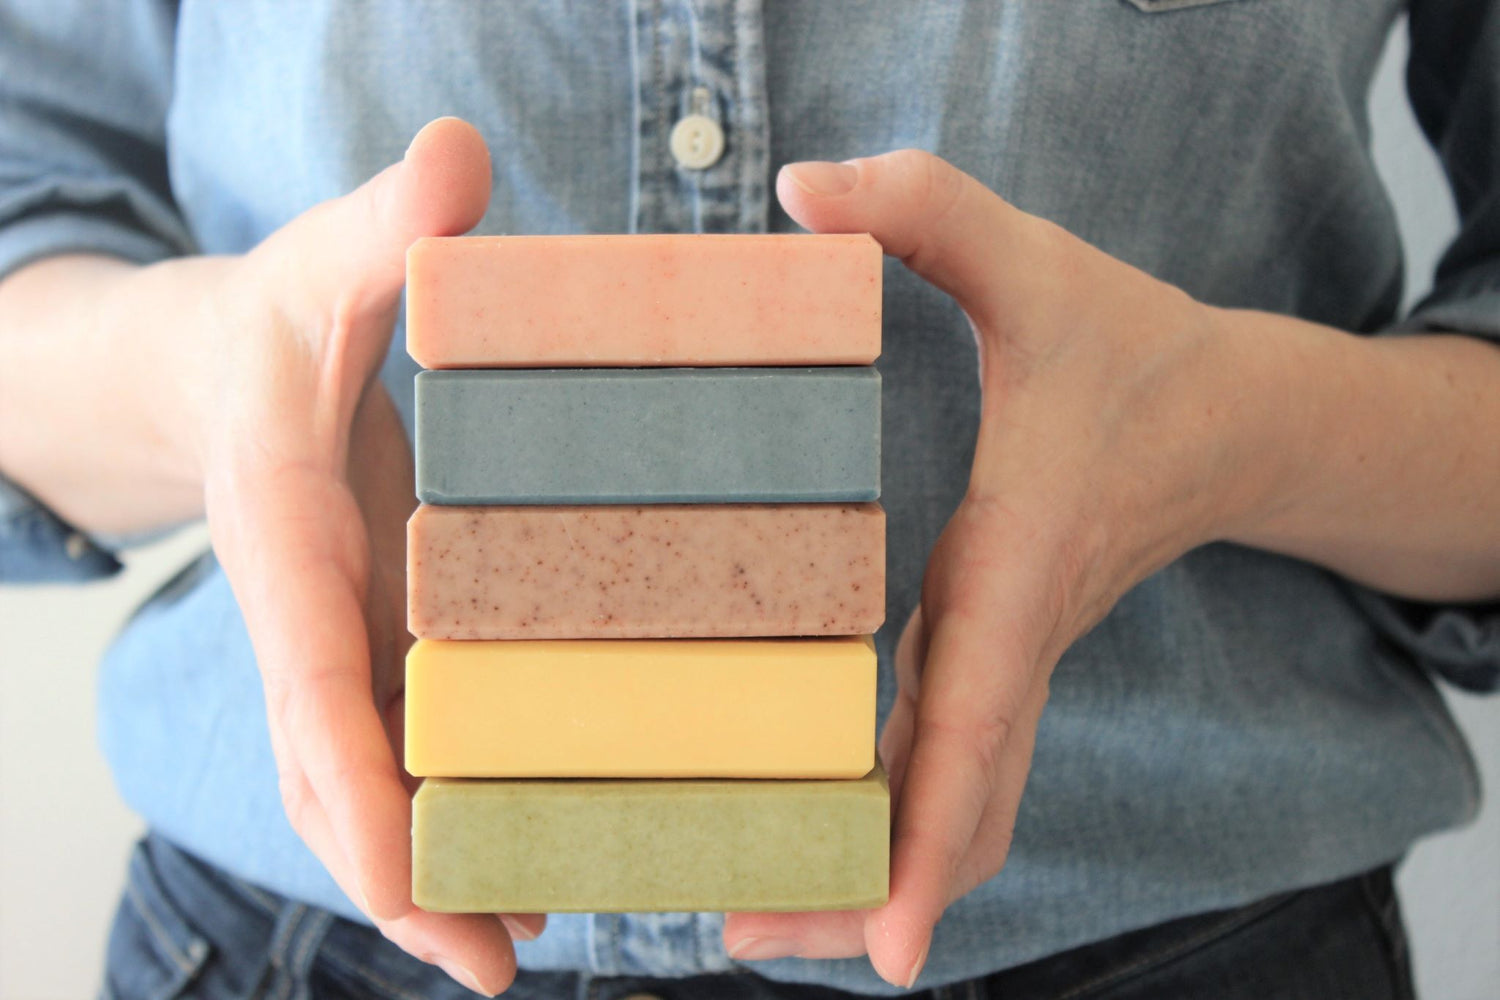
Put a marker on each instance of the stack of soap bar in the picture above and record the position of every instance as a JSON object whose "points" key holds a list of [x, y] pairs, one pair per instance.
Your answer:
{"points": [[644, 574]]}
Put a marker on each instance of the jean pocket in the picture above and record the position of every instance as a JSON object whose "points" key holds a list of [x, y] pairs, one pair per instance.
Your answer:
{"points": [[153, 953], [1166, 6]]}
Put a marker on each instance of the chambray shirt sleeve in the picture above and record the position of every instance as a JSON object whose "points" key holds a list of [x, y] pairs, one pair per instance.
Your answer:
{"points": [[1453, 79], [84, 90]]}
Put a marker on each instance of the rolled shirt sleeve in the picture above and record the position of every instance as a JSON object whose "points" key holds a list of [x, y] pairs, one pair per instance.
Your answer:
{"points": [[1453, 78], [36, 546], [84, 92]]}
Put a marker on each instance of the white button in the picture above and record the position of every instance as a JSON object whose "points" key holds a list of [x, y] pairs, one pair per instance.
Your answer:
{"points": [[697, 142], [76, 546]]}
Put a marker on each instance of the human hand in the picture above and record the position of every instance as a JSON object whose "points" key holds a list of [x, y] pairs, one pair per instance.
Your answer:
{"points": [[308, 483], [1103, 451]]}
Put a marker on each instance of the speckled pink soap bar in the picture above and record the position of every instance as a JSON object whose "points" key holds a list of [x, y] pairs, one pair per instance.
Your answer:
{"points": [[643, 301], [654, 571]]}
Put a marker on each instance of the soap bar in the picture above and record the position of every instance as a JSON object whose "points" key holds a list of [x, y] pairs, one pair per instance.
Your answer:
{"points": [[623, 846], [667, 570], [767, 435], [642, 301], [641, 708]]}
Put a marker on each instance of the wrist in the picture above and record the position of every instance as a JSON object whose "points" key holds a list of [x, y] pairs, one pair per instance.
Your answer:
{"points": [[1220, 420], [167, 326], [103, 371], [1306, 429], [1261, 415], [1380, 458], [1215, 439]]}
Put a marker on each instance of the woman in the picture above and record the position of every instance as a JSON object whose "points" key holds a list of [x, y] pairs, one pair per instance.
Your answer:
{"points": [[1162, 499]]}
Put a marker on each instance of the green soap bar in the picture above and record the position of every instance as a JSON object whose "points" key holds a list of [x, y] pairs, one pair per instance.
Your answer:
{"points": [[586, 846]]}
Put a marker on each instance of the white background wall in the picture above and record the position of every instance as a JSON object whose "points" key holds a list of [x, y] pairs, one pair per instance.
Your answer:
{"points": [[64, 834]]}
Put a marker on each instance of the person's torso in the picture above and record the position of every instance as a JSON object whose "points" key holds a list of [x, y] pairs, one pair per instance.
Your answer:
{"points": [[1234, 728]]}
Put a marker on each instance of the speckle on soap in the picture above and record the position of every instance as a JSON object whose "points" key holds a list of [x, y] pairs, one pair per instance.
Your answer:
{"points": [[646, 571]]}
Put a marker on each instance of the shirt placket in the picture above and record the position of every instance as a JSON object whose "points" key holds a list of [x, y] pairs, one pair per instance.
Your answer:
{"points": [[700, 71]]}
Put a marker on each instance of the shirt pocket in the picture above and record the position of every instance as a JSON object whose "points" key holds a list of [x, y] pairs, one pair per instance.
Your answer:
{"points": [[1167, 6]]}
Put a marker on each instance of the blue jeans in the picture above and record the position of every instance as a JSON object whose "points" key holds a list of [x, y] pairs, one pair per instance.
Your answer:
{"points": [[187, 929]]}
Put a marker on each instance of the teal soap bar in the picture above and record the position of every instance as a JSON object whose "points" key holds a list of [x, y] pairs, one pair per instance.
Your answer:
{"points": [[676, 435]]}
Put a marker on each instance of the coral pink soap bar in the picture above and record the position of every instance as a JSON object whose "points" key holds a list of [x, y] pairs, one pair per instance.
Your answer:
{"points": [[643, 301]]}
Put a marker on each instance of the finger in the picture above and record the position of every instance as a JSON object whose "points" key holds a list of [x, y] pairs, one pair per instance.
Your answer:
{"points": [[525, 926], [474, 949], [358, 242], [292, 542], [992, 838], [895, 743], [839, 934], [942, 223], [975, 681], [751, 937], [380, 474], [338, 269], [896, 738]]}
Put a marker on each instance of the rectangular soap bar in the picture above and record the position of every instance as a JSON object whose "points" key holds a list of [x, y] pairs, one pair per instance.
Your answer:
{"points": [[631, 846], [642, 301], [641, 708], [671, 435], [665, 570]]}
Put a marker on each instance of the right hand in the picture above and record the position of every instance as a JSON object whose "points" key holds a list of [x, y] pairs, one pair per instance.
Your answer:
{"points": [[307, 478]]}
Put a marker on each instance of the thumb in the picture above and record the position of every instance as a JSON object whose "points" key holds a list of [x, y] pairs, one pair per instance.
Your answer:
{"points": [[941, 223], [349, 254]]}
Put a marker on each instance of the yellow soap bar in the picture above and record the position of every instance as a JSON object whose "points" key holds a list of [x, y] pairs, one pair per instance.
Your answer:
{"points": [[641, 708]]}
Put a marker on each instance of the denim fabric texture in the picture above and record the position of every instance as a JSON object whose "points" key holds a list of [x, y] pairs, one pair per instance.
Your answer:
{"points": [[185, 929], [1240, 726]]}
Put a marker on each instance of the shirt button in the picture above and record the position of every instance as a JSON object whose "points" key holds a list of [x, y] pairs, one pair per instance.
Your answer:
{"points": [[697, 142], [76, 546]]}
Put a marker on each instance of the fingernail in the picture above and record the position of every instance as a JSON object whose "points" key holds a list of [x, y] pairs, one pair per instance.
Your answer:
{"points": [[462, 975], [916, 969], [424, 128], [528, 929], [753, 949], [406, 154], [819, 178]]}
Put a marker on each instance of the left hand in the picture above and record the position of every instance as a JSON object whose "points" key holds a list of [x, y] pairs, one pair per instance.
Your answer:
{"points": [[1107, 447]]}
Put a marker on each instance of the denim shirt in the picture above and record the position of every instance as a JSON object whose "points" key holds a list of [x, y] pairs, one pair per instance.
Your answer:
{"points": [[1242, 723]]}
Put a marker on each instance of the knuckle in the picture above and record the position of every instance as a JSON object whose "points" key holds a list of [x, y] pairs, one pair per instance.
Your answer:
{"points": [[990, 738], [926, 189], [937, 190], [982, 739], [936, 182]]}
